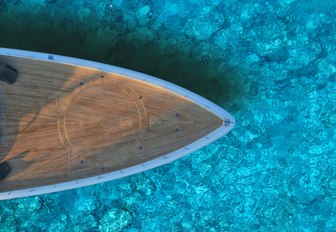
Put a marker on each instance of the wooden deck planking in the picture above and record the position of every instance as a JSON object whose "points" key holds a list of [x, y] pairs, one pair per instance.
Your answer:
{"points": [[62, 123]]}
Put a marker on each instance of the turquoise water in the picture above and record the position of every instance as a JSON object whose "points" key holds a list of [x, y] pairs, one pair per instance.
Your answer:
{"points": [[270, 63]]}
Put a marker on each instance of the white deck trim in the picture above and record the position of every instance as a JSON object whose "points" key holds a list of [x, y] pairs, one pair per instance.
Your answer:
{"points": [[218, 133]]}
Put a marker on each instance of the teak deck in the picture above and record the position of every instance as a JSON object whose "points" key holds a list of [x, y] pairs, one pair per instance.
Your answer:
{"points": [[63, 122]]}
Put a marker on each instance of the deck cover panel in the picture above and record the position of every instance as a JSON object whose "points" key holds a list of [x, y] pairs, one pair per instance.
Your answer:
{"points": [[62, 122]]}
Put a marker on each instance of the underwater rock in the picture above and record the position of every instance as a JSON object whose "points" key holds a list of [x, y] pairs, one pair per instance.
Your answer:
{"points": [[198, 29], [253, 91], [115, 219], [308, 71], [279, 55]]}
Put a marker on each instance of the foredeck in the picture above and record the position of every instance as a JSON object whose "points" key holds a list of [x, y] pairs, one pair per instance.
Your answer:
{"points": [[62, 122]]}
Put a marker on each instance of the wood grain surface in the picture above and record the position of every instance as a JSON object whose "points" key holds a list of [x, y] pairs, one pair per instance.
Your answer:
{"points": [[61, 122]]}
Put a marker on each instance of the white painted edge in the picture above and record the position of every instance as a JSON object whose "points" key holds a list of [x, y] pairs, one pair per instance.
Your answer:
{"points": [[218, 133]]}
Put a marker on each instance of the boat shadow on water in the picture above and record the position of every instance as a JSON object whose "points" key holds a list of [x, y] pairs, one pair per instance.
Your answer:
{"points": [[167, 54]]}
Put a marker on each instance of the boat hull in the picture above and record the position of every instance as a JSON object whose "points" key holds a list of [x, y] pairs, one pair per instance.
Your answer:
{"points": [[68, 123]]}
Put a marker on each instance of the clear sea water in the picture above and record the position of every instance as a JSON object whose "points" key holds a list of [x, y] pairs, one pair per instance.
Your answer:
{"points": [[271, 63]]}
